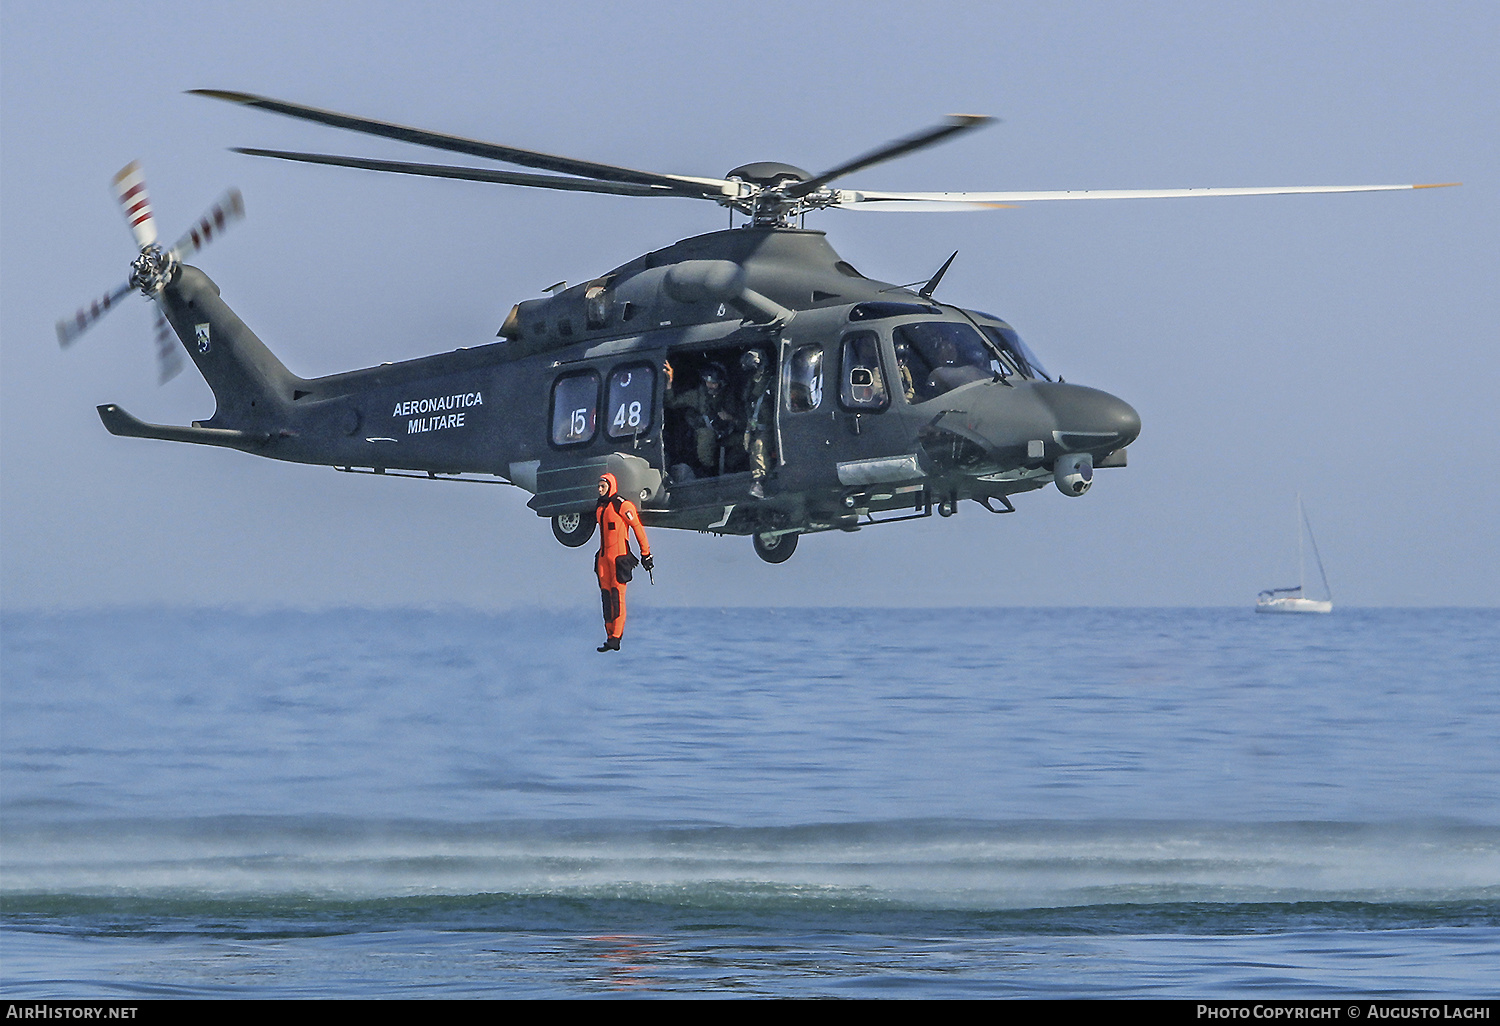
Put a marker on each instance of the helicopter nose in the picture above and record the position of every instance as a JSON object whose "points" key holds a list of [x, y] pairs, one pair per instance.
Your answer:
{"points": [[1088, 419]]}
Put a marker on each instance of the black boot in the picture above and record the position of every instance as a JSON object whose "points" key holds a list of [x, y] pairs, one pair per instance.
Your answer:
{"points": [[610, 645]]}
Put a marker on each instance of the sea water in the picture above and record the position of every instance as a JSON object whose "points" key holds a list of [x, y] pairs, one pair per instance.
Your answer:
{"points": [[750, 802]]}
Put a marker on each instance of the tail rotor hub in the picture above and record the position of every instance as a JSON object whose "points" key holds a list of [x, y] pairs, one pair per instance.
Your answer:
{"points": [[151, 271]]}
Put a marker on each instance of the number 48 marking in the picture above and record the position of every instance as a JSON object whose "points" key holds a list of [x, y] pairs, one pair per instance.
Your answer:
{"points": [[628, 417]]}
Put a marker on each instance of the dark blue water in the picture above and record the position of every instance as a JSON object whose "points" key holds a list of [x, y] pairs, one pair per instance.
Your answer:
{"points": [[1149, 803]]}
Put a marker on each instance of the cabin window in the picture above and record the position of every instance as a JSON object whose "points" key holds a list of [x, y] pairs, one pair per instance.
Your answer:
{"points": [[805, 388], [632, 390], [575, 408], [863, 385], [935, 357]]}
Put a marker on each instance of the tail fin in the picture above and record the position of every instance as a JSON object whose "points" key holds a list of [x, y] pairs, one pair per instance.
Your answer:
{"points": [[252, 388]]}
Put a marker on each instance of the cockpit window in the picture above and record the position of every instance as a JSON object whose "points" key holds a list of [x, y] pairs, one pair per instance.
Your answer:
{"points": [[1004, 336], [938, 356]]}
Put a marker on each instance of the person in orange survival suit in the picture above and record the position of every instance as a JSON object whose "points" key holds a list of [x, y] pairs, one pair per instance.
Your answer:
{"points": [[614, 563]]}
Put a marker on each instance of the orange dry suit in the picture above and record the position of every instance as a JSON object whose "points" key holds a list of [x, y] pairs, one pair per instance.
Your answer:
{"points": [[616, 514]]}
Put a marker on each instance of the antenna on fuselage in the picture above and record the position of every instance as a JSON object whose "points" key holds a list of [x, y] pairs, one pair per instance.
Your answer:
{"points": [[927, 290]]}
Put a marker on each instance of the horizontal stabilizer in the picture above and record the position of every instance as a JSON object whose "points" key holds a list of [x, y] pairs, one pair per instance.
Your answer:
{"points": [[118, 422]]}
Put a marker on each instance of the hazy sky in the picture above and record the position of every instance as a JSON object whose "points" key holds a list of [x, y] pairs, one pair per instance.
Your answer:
{"points": [[1342, 346]]}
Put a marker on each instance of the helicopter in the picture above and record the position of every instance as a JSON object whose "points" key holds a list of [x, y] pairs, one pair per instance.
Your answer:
{"points": [[748, 381]]}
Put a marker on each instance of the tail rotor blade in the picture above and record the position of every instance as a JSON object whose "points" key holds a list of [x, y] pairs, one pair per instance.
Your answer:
{"points": [[130, 190], [168, 352], [229, 208], [69, 330], [153, 268]]}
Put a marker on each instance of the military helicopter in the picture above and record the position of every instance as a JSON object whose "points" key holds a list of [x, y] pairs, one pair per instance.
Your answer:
{"points": [[744, 382]]}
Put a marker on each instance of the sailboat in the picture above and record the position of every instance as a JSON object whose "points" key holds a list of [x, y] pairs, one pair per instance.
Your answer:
{"points": [[1294, 600]]}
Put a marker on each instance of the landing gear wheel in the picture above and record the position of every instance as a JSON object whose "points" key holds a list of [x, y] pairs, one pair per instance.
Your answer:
{"points": [[947, 508], [775, 548], [573, 529]]}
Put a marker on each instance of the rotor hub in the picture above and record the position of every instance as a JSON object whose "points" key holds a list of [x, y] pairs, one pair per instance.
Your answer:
{"points": [[767, 193], [151, 271], [768, 174]]}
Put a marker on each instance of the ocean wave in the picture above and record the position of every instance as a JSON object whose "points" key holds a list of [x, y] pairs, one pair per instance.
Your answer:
{"points": [[914, 864]]}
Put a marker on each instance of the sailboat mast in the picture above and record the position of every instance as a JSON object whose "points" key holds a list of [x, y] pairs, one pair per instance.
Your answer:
{"points": [[1301, 568]]}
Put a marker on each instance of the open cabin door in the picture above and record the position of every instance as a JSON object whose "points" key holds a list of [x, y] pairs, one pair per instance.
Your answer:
{"points": [[714, 398]]}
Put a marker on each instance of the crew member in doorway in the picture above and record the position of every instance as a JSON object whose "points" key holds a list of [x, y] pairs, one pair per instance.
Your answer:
{"points": [[614, 563], [760, 407], [707, 414]]}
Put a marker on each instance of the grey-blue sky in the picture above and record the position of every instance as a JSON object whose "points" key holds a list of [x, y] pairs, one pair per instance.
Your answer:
{"points": [[1341, 346]]}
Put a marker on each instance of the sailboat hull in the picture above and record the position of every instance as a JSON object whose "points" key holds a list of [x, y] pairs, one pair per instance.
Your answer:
{"points": [[1293, 605]]}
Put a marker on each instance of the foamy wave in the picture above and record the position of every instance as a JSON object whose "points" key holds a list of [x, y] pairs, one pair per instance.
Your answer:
{"points": [[919, 864]]}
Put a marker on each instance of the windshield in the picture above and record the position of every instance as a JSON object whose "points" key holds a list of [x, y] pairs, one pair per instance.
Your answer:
{"points": [[938, 356], [1004, 336]]}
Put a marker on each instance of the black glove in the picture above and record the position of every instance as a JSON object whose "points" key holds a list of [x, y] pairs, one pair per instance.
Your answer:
{"points": [[648, 562]]}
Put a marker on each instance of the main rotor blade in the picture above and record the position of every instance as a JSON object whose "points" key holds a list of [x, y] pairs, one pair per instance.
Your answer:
{"points": [[703, 187], [954, 123], [934, 201], [469, 174], [69, 330]]}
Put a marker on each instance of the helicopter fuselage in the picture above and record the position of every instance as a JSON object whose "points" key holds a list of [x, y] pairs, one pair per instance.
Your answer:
{"points": [[876, 402]]}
